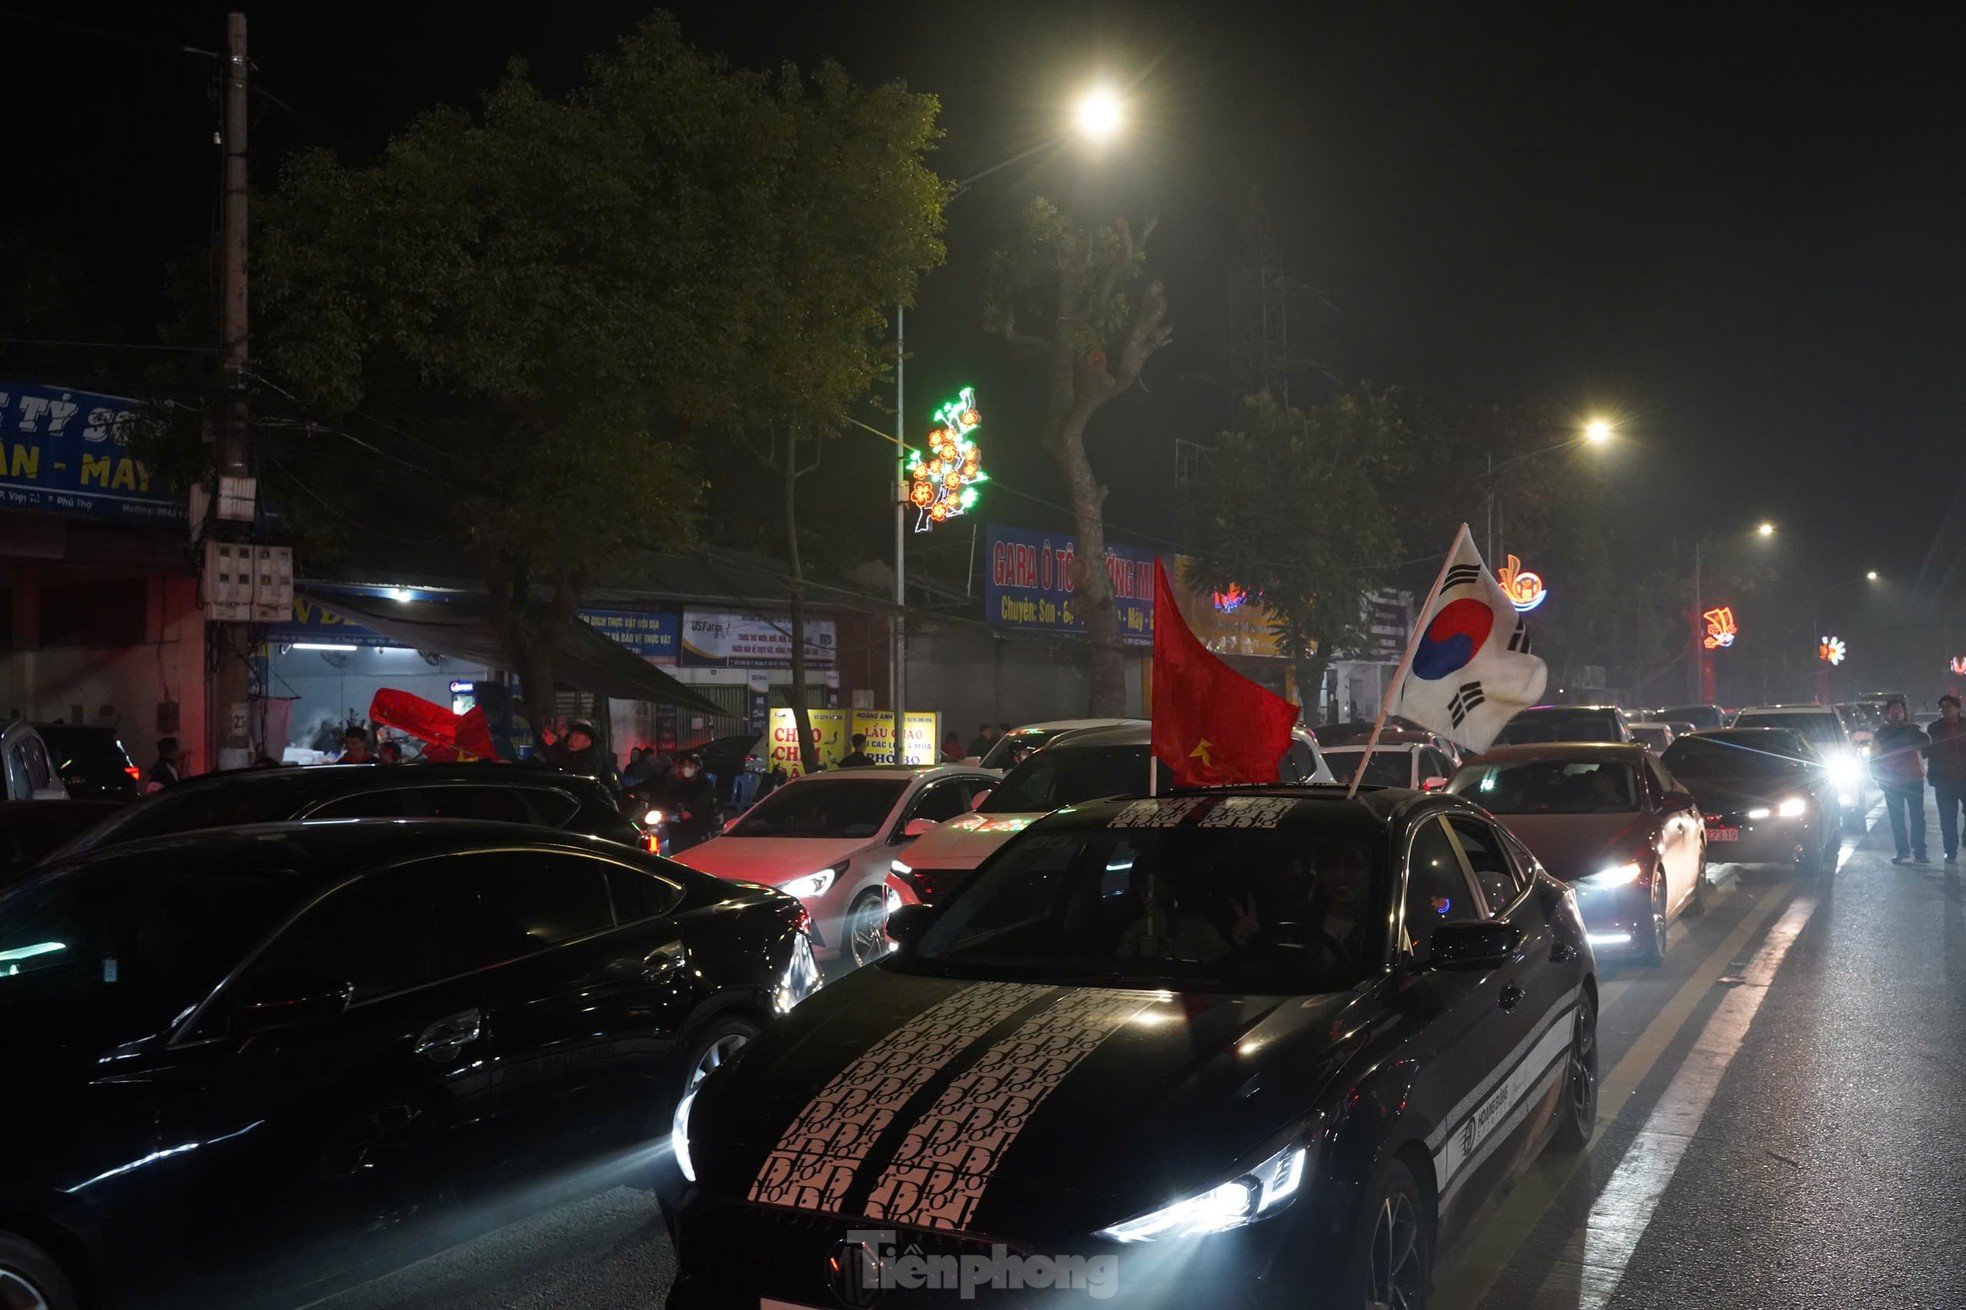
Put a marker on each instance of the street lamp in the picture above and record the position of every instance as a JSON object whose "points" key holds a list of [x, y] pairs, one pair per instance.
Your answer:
{"points": [[1596, 432], [1870, 576], [1764, 530], [1098, 115]]}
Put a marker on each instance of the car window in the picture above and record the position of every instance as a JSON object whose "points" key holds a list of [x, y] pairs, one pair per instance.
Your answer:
{"points": [[384, 933], [545, 898], [500, 804], [1386, 769], [1821, 730], [818, 806], [31, 766], [1436, 890], [1437, 765], [362, 805], [944, 800], [1662, 782], [1493, 873], [637, 895], [1549, 786], [1299, 763], [1068, 775], [222, 804]]}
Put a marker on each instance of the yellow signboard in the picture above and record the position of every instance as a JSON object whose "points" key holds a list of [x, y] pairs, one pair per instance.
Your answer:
{"points": [[878, 727], [828, 738], [921, 731]]}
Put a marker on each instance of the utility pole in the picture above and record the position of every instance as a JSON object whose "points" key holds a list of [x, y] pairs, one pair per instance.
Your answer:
{"points": [[898, 676], [236, 490]]}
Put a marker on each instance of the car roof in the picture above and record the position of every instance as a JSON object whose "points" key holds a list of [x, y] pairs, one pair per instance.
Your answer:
{"points": [[1406, 745], [1636, 724], [1135, 733], [1789, 709], [1071, 725], [899, 772], [1381, 804], [327, 779], [326, 850], [1531, 750], [1572, 709]]}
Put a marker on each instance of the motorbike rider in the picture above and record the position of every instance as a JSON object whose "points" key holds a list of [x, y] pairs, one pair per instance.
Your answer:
{"points": [[689, 802]]}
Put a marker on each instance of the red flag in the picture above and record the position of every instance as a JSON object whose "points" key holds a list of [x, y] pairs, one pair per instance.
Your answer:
{"points": [[450, 736], [1212, 726]]}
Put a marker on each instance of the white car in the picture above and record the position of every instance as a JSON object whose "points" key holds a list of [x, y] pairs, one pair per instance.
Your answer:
{"points": [[1073, 767], [29, 769], [1653, 735], [1394, 764], [828, 839], [1822, 727], [1011, 748]]}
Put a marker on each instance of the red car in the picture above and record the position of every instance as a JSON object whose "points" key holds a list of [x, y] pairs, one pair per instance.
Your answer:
{"points": [[1607, 819]]}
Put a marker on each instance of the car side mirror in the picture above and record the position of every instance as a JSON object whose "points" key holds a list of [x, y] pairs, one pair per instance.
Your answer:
{"points": [[1433, 784], [1483, 945], [976, 801], [917, 828], [259, 1005], [1678, 800], [905, 923]]}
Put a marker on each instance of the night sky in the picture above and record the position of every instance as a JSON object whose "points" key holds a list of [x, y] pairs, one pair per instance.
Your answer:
{"points": [[1734, 228]]}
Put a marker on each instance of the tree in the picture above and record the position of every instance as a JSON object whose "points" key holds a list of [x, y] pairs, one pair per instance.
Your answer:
{"points": [[1295, 511], [540, 309], [1105, 319]]}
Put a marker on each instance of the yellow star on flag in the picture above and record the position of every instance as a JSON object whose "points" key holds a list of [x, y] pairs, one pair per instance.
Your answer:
{"points": [[1201, 752]]}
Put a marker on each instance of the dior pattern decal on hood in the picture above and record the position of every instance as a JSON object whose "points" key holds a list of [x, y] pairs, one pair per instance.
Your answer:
{"points": [[823, 1149], [946, 1160]]}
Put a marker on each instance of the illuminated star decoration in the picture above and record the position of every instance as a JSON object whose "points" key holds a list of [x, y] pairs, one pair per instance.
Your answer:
{"points": [[1831, 650], [1230, 600], [1959, 665], [1720, 628], [1525, 589], [942, 481]]}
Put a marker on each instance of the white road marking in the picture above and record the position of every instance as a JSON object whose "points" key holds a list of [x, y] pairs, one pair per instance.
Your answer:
{"points": [[1594, 1260]]}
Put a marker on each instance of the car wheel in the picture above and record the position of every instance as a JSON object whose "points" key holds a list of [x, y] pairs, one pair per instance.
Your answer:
{"points": [[866, 928], [716, 1045], [1650, 947], [1393, 1258], [1577, 1116], [1696, 901], [30, 1279]]}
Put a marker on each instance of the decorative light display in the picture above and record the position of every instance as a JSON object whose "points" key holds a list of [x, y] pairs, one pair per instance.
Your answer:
{"points": [[1231, 599], [1831, 650], [1959, 665], [942, 480], [1720, 628], [1525, 589]]}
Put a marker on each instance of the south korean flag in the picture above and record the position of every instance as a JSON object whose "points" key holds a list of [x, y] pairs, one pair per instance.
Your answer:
{"points": [[1470, 669]]}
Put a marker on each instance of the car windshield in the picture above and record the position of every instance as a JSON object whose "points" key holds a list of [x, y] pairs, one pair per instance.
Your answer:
{"points": [[1069, 776], [1549, 786], [1298, 908], [1013, 748], [121, 946], [823, 807], [1650, 738], [1817, 729], [1536, 726], [1385, 769], [1755, 753], [85, 752]]}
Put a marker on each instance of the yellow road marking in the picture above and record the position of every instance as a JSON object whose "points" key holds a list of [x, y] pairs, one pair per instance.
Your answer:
{"points": [[1466, 1279]]}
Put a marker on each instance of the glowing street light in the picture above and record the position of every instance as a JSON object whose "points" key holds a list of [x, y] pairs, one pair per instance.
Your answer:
{"points": [[1099, 114], [1871, 576], [1766, 529], [1598, 431]]}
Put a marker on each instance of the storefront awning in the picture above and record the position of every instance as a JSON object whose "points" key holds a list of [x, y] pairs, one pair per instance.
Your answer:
{"points": [[461, 629]]}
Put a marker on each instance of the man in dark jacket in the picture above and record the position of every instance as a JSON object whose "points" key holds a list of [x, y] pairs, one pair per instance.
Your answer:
{"points": [[164, 773], [1894, 761], [1946, 768], [858, 758], [690, 801], [577, 753]]}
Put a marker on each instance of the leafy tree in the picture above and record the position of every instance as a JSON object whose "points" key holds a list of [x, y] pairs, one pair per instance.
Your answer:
{"points": [[537, 312], [1295, 510], [1103, 320]]}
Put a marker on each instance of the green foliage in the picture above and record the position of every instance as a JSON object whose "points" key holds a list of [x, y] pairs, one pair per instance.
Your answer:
{"points": [[1055, 271], [1296, 509]]}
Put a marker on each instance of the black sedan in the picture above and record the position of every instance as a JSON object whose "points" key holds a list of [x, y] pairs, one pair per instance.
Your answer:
{"points": [[29, 830], [1210, 1049], [242, 1065], [503, 793], [1767, 796]]}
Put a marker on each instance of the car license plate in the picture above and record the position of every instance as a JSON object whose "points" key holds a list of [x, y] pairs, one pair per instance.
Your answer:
{"points": [[1723, 834]]}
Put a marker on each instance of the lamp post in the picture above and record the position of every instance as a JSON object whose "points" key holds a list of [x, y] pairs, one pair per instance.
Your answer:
{"points": [[1763, 530], [1596, 432], [1098, 114]]}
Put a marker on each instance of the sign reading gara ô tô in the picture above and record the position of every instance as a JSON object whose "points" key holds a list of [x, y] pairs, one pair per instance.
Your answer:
{"points": [[1029, 586]]}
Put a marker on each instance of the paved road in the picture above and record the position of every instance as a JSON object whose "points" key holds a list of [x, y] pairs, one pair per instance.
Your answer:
{"points": [[1783, 1123]]}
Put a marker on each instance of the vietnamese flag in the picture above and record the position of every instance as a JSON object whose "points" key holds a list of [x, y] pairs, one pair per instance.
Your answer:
{"points": [[1212, 726], [465, 736]]}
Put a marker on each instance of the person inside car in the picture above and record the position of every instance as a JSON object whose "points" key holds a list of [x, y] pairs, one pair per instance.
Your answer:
{"points": [[1164, 930]]}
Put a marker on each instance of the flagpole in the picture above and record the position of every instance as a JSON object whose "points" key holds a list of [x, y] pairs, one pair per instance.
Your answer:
{"points": [[1398, 683]]}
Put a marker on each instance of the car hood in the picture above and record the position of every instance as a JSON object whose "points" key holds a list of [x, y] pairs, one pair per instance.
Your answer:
{"points": [[1572, 845], [966, 840], [1012, 1108], [770, 860]]}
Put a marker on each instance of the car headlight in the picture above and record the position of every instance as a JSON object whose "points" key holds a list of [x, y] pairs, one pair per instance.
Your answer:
{"points": [[1618, 875], [813, 884], [1845, 769], [1792, 807], [653, 819], [898, 869], [1250, 1196]]}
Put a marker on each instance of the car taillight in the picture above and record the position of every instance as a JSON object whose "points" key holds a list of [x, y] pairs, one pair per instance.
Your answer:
{"points": [[924, 883], [805, 919], [136, 774]]}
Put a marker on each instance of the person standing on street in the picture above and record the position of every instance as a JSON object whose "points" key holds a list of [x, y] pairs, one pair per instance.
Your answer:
{"points": [[1947, 770], [164, 773], [858, 758], [952, 747], [1895, 763], [577, 753], [985, 739]]}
